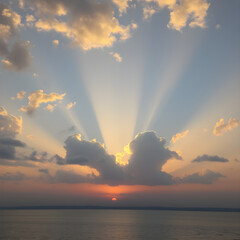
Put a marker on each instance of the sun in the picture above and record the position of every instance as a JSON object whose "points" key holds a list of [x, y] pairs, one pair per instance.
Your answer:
{"points": [[114, 199]]}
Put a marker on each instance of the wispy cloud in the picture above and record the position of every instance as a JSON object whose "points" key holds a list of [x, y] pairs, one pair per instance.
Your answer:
{"points": [[221, 127], [178, 136], [71, 104]]}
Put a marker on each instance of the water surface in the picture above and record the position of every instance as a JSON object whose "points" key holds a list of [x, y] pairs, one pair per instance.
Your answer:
{"points": [[118, 224]]}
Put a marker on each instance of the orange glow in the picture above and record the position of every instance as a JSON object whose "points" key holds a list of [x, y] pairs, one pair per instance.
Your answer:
{"points": [[114, 199]]}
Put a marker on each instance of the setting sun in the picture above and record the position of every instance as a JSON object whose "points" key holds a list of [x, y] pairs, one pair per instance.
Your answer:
{"points": [[114, 199]]}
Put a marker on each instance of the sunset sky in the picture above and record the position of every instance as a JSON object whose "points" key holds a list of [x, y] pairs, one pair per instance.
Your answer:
{"points": [[135, 101]]}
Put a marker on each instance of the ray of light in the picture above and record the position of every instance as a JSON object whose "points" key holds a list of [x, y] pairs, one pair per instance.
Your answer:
{"points": [[114, 97], [74, 120], [175, 66], [201, 139], [40, 139]]}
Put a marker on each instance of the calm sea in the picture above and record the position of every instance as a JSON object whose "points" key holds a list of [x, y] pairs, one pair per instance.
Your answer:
{"points": [[118, 224]]}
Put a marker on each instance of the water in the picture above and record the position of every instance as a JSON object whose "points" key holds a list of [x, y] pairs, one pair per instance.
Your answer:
{"points": [[118, 224]]}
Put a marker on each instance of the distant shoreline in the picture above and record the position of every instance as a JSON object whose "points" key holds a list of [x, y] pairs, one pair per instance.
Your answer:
{"points": [[197, 209]]}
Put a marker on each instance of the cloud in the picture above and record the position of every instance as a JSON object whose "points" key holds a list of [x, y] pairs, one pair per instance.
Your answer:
{"points": [[12, 176], [55, 42], [148, 155], [43, 170], [178, 136], [14, 53], [30, 18], [71, 104], [182, 12], [148, 12], [88, 24], [10, 126], [37, 157], [207, 158], [20, 95], [189, 12], [38, 97], [122, 5], [220, 128], [50, 107], [117, 57], [12, 142], [206, 178], [93, 155]]}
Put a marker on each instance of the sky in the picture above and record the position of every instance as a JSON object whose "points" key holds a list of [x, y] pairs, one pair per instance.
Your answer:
{"points": [[135, 101]]}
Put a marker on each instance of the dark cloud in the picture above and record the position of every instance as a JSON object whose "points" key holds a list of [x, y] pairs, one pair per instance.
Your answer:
{"points": [[43, 170], [62, 176], [12, 142], [12, 176], [18, 58], [93, 155], [7, 152], [148, 156], [37, 157], [10, 127], [14, 53], [207, 158], [207, 178]]}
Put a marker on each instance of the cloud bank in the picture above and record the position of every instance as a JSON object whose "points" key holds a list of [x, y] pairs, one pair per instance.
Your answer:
{"points": [[148, 154]]}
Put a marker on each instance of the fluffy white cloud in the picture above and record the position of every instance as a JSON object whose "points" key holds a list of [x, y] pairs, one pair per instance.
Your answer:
{"points": [[15, 54], [89, 24], [38, 97], [178, 136], [182, 12], [221, 127]]}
